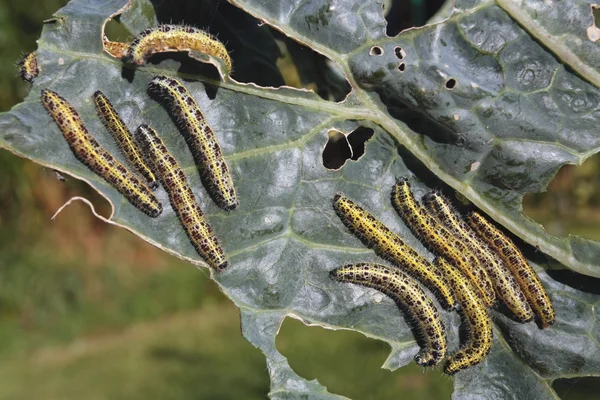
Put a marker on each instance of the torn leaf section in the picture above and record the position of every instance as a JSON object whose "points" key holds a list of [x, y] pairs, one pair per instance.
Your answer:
{"points": [[570, 204], [576, 388], [593, 31], [350, 364], [260, 329], [302, 67], [337, 150], [495, 114], [343, 146]]}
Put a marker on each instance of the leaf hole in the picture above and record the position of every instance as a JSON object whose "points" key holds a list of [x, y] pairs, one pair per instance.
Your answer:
{"points": [[116, 31], [576, 388], [327, 355], [451, 84], [402, 67], [211, 90], [376, 51], [596, 14], [358, 141], [593, 31], [341, 147], [386, 6], [400, 53], [398, 17], [571, 202], [302, 67]]}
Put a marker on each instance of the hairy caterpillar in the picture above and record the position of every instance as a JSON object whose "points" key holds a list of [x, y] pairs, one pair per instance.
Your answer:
{"points": [[518, 265], [505, 286], [440, 240], [115, 125], [167, 38], [390, 246], [200, 138], [474, 315], [28, 67], [87, 150], [116, 49], [184, 203], [409, 297]]}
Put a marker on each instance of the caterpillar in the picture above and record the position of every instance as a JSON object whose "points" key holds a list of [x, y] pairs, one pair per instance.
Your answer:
{"points": [[182, 198], [87, 150], [505, 286], [28, 67], [115, 125], [518, 265], [409, 297], [168, 38], [474, 315], [391, 246], [116, 49], [440, 240], [200, 138]]}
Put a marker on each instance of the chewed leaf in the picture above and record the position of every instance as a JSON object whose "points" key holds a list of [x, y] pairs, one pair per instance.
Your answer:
{"points": [[477, 103]]}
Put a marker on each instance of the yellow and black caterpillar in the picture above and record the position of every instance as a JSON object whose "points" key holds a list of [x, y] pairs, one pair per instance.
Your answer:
{"points": [[391, 246], [505, 286], [200, 138], [440, 240], [182, 199], [87, 150], [409, 297], [115, 125], [518, 265], [474, 315]]}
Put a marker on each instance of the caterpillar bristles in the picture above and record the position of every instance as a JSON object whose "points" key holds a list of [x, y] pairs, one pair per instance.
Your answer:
{"points": [[475, 317], [515, 261], [200, 137], [27, 67], [440, 240], [409, 297], [390, 246], [505, 285], [170, 38], [87, 150]]}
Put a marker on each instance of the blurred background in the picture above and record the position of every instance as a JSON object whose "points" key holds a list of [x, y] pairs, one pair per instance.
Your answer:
{"points": [[89, 311]]}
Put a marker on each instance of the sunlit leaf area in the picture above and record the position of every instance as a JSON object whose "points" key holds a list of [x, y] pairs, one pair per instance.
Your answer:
{"points": [[494, 104]]}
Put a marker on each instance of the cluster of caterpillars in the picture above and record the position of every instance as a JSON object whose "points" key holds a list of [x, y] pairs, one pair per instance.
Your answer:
{"points": [[476, 264], [145, 152], [150, 158]]}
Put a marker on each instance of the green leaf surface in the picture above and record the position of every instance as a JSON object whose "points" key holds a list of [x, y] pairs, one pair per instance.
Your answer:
{"points": [[514, 116], [566, 28]]}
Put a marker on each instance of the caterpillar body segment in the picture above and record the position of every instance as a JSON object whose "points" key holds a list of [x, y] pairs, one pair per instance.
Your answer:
{"points": [[440, 240], [87, 150], [409, 297], [182, 198], [474, 315], [169, 38], [115, 125], [518, 265], [391, 247], [505, 285], [200, 138], [115, 49], [27, 67]]}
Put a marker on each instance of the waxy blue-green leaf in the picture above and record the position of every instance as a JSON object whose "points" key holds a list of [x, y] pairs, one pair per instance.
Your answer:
{"points": [[474, 102]]}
